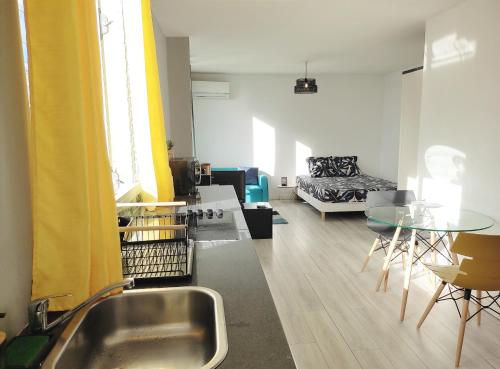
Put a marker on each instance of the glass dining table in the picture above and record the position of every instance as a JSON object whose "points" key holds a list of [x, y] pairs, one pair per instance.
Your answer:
{"points": [[432, 226]]}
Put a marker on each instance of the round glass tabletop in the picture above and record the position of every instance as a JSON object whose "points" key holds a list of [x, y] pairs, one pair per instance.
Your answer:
{"points": [[430, 218]]}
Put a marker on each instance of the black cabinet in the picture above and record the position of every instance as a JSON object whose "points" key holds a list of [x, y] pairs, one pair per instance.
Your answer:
{"points": [[259, 219]]}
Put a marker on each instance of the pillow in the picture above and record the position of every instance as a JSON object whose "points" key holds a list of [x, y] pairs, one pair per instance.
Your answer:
{"points": [[319, 166], [251, 175], [344, 166]]}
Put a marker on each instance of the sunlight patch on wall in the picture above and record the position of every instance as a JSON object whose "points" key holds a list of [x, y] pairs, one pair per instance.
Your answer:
{"points": [[451, 49], [446, 167], [264, 146], [442, 192], [445, 163], [301, 153], [412, 184]]}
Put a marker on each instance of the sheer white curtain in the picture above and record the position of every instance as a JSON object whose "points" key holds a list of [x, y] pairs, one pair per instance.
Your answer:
{"points": [[126, 95]]}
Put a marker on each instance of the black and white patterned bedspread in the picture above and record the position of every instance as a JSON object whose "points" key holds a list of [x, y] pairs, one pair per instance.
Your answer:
{"points": [[343, 189]]}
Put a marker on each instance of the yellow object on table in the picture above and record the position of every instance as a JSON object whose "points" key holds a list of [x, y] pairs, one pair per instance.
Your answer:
{"points": [[3, 337]]}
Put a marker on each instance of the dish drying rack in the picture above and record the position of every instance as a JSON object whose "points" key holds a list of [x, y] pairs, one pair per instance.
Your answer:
{"points": [[156, 245]]}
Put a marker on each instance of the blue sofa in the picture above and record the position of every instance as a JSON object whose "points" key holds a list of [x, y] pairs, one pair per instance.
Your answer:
{"points": [[253, 192]]}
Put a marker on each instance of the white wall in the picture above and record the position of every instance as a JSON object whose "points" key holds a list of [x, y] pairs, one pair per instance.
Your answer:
{"points": [[174, 71], [161, 57], [411, 98], [459, 143], [391, 117], [344, 118], [15, 207], [179, 95]]}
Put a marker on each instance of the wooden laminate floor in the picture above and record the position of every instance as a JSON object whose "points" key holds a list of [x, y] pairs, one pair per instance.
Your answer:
{"points": [[331, 314]]}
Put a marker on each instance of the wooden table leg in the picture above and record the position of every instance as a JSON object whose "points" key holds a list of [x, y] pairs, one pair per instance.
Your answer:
{"points": [[388, 258], [433, 258], [406, 284], [370, 253], [454, 256]]}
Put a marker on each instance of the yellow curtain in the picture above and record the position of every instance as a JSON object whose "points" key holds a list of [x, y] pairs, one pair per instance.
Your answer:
{"points": [[164, 181], [76, 246]]}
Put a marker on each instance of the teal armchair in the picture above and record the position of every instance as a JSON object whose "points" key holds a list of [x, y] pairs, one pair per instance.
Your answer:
{"points": [[253, 192], [258, 192]]}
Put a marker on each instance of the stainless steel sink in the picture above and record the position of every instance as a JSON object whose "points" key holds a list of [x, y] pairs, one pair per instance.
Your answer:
{"points": [[180, 327]]}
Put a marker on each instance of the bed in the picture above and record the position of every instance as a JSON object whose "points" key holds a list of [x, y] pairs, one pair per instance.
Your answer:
{"points": [[336, 194]]}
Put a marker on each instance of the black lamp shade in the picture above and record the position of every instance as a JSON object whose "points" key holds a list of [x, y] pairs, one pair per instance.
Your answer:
{"points": [[306, 86]]}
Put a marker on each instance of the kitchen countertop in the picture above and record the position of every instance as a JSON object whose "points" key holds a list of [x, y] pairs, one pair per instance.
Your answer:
{"points": [[221, 197], [255, 335]]}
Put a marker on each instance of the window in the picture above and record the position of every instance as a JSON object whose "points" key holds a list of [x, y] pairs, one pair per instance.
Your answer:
{"points": [[117, 99], [125, 94], [124, 90], [22, 23]]}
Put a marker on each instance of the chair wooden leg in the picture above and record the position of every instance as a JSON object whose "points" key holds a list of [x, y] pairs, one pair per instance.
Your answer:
{"points": [[468, 311], [478, 296], [388, 258], [403, 259], [406, 283], [323, 216], [461, 331], [429, 307], [370, 253], [386, 280]]}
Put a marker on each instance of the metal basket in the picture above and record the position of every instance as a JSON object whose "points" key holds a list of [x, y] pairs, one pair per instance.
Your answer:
{"points": [[156, 246]]}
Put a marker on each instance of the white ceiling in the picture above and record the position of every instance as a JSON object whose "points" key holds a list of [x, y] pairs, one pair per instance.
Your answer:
{"points": [[277, 36]]}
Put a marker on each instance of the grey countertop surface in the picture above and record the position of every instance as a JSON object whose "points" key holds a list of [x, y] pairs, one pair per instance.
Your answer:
{"points": [[255, 335], [232, 268], [221, 197]]}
